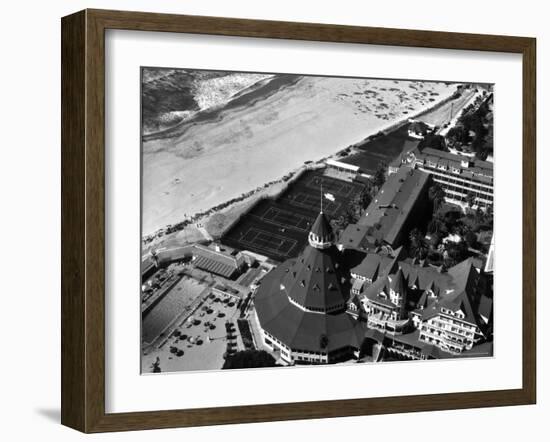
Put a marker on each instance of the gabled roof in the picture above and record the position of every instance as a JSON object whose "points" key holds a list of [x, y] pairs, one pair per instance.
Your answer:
{"points": [[388, 212], [454, 289], [431, 287], [358, 285], [369, 268], [453, 301], [398, 283], [413, 281], [373, 292], [463, 274], [375, 265], [424, 301]]}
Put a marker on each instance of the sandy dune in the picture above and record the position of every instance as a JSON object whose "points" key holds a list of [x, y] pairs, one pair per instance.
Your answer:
{"points": [[214, 161]]}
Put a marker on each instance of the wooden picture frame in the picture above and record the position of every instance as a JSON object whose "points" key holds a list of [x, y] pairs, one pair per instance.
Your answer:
{"points": [[83, 220]]}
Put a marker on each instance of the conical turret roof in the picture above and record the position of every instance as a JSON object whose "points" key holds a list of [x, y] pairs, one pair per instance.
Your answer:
{"points": [[314, 280], [398, 283], [321, 227]]}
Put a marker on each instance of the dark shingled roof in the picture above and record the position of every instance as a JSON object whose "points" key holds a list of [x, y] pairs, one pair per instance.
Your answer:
{"points": [[314, 279], [376, 264], [386, 215], [321, 226], [477, 170], [459, 293], [299, 329], [454, 289], [398, 284]]}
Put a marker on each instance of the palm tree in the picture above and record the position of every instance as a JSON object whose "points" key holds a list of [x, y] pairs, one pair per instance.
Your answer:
{"points": [[418, 247], [437, 195]]}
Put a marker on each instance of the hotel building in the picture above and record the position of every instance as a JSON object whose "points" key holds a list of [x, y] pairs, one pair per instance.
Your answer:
{"points": [[425, 308], [395, 210], [301, 305], [458, 175]]}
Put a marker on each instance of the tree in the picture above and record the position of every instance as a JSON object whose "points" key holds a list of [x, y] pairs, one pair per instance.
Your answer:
{"points": [[355, 209], [455, 253], [470, 199], [471, 239], [156, 366], [436, 194], [380, 174], [418, 247], [432, 141], [437, 226], [365, 197], [249, 359]]}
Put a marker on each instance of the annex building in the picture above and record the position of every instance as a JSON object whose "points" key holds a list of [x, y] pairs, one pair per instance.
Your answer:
{"points": [[389, 217], [458, 175]]}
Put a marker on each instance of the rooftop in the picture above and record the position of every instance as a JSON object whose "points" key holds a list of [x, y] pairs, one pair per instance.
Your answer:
{"points": [[223, 262], [388, 212], [300, 329], [321, 226], [475, 169], [454, 289]]}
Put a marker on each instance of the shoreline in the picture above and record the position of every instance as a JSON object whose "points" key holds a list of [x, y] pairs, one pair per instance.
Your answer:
{"points": [[260, 90], [249, 99], [264, 192]]}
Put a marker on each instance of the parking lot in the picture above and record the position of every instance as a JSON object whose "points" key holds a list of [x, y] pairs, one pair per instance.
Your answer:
{"points": [[200, 340]]}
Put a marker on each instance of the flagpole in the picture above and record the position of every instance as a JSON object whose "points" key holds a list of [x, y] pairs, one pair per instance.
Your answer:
{"points": [[321, 197]]}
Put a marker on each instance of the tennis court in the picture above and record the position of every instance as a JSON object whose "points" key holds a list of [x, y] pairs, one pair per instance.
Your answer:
{"points": [[331, 185], [268, 242], [312, 202], [278, 228], [284, 218]]}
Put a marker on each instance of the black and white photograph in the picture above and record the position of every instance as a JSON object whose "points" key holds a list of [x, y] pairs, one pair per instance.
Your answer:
{"points": [[297, 220]]}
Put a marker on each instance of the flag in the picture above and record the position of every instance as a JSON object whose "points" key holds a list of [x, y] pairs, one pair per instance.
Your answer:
{"points": [[329, 196]]}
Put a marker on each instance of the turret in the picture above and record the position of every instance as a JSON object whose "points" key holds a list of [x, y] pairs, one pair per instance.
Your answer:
{"points": [[321, 235]]}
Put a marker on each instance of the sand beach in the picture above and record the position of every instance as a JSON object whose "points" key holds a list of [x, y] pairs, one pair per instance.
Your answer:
{"points": [[259, 138]]}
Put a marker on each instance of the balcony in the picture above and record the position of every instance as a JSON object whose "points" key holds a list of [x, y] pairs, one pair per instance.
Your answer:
{"points": [[387, 323]]}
